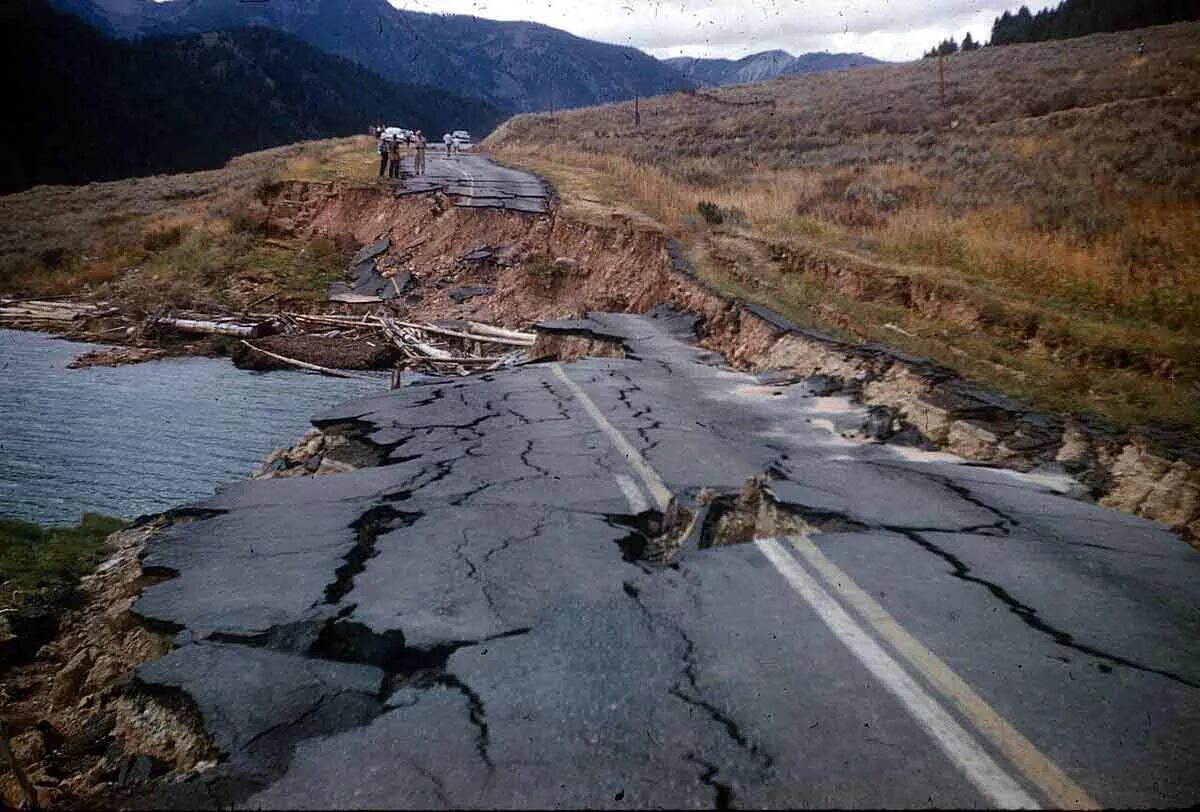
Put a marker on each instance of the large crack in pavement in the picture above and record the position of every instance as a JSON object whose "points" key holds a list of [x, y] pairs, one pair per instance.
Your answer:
{"points": [[491, 616]]}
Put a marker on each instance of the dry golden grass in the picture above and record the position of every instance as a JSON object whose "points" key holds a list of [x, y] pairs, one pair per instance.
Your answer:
{"points": [[1054, 200], [172, 240]]}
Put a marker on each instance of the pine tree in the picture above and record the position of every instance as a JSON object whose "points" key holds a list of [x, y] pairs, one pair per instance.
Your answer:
{"points": [[948, 46], [1077, 18]]}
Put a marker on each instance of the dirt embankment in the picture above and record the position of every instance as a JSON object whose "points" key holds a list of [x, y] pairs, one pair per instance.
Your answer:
{"points": [[83, 731], [520, 269], [485, 265]]}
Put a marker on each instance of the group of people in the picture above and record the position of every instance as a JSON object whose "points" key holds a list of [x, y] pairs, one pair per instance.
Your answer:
{"points": [[390, 153]]}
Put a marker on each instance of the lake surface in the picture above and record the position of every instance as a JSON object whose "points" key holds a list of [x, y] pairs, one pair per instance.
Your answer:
{"points": [[126, 441]]}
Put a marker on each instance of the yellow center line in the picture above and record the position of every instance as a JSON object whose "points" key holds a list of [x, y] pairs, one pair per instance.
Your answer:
{"points": [[1038, 769]]}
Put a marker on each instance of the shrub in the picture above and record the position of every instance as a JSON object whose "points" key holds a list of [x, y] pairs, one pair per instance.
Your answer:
{"points": [[711, 212], [53, 258], [161, 239]]}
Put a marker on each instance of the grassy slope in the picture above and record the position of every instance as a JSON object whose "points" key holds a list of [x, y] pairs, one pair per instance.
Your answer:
{"points": [[1044, 224], [32, 559], [186, 240]]}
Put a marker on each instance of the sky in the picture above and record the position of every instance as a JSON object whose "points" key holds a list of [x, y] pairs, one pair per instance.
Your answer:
{"points": [[893, 30]]}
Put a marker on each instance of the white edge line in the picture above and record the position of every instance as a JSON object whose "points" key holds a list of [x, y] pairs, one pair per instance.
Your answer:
{"points": [[959, 746]]}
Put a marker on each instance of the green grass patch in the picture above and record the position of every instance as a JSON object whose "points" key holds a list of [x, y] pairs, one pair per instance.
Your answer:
{"points": [[33, 558]]}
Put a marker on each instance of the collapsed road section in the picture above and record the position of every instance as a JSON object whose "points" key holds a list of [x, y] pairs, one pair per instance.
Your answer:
{"points": [[654, 580], [476, 182]]}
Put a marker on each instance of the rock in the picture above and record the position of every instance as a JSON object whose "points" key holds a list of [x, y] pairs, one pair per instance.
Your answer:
{"points": [[404, 281], [118, 617], [483, 252], [136, 770], [460, 295], [823, 385], [971, 440], [371, 251], [70, 679], [47, 796], [106, 670], [93, 739], [911, 436], [52, 739], [28, 748], [312, 463], [880, 423]]}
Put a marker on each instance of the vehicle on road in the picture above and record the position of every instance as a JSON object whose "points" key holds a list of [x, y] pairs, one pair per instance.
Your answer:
{"points": [[397, 134], [462, 139]]}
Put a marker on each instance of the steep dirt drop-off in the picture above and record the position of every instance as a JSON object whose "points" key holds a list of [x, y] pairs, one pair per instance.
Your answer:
{"points": [[484, 264]]}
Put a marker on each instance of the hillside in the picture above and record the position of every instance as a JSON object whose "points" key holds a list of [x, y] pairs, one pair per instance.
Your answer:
{"points": [[513, 65], [762, 66], [1077, 18], [1039, 232], [81, 107]]}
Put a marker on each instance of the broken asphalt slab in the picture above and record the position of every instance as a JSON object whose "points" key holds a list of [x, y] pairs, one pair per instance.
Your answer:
{"points": [[476, 182], [489, 618]]}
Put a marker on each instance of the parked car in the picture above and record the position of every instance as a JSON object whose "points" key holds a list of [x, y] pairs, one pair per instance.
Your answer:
{"points": [[462, 139], [397, 134]]}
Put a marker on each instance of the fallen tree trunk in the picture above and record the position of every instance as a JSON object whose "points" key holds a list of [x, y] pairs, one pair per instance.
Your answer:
{"points": [[220, 328], [442, 331], [499, 332]]}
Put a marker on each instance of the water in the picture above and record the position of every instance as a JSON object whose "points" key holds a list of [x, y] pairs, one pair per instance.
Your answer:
{"points": [[126, 441]]}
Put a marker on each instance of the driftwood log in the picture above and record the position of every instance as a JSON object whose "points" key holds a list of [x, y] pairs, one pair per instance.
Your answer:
{"points": [[219, 328]]}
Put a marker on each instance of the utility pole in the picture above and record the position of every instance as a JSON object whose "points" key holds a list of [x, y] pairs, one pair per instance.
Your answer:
{"points": [[637, 113]]}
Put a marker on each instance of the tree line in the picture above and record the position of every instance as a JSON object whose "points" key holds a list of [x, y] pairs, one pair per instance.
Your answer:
{"points": [[1075, 18], [81, 107]]}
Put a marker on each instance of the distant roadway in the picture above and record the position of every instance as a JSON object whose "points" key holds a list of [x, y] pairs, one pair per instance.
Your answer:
{"points": [[475, 181], [489, 618]]}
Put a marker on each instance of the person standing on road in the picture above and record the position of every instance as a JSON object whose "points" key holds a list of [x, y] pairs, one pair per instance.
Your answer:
{"points": [[394, 154], [384, 154], [422, 144], [449, 142]]}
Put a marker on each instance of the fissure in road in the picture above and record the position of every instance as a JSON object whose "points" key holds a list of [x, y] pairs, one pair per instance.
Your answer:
{"points": [[491, 621]]}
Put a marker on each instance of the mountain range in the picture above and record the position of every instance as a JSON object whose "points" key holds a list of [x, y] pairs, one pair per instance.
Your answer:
{"points": [[516, 66], [762, 66], [81, 106]]}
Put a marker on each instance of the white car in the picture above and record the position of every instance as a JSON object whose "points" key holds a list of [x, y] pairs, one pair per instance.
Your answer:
{"points": [[462, 139], [397, 134]]}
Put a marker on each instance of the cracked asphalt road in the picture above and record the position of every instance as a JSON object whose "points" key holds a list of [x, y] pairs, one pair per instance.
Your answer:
{"points": [[481, 620], [475, 182]]}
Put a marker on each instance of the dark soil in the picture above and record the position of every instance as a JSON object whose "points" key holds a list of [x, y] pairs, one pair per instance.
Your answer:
{"points": [[335, 352]]}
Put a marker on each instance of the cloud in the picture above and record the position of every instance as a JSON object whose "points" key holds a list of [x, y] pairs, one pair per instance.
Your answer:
{"points": [[886, 29]]}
